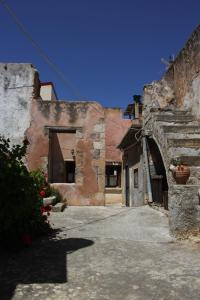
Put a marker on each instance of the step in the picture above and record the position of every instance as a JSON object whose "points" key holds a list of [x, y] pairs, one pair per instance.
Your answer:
{"points": [[193, 143], [59, 207], [191, 129], [173, 118], [49, 200], [182, 136], [190, 160], [174, 111], [178, 152]]}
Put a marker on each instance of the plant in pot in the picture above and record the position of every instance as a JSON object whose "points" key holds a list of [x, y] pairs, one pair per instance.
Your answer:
{"points": [[181, 172]]}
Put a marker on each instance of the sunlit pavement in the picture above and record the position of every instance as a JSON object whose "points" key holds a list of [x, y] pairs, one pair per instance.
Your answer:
{"points": [[104, 253]]}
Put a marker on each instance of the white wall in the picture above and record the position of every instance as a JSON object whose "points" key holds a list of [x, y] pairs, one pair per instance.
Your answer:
{"points": [[47, 93], [16, 92]]}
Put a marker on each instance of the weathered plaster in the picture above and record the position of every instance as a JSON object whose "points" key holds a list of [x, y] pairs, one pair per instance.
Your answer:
{"points": [[89, 117], [16, 93], [116, 127]]}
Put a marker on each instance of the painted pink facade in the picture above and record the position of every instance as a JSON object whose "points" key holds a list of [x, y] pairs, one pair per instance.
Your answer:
{"points": [[83, 132], [71, 141]]}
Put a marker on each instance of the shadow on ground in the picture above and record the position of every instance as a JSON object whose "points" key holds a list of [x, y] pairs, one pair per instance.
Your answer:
{"points": [[44, 262]]}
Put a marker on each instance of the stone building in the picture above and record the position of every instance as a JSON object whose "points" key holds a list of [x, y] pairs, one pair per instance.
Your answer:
{"points": [[133, 185], [73, 141], [171, 129]]}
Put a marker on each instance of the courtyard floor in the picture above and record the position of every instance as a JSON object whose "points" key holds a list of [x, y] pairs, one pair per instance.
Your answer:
{"points": [[102, 253]]}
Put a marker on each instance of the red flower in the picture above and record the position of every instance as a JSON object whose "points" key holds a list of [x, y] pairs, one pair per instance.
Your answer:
{"points": [[42, 209], [48, 208], [42, 193], [45, 209]]}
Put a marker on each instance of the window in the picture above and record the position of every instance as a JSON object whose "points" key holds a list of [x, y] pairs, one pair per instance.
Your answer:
{"points": [[70, 171], [136, 178], [113, 175]]}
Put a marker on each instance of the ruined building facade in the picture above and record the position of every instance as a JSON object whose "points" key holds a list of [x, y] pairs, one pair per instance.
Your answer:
{"points": [[73, 142], [172, 128]]}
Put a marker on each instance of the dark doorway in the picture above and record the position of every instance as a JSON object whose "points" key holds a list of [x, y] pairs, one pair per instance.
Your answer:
{"points": [[158, 175], [61, 159], [127, 190], [70, 171]]}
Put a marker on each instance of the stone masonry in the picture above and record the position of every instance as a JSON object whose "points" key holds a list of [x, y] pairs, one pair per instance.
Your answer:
{"points": [[171, 118]]}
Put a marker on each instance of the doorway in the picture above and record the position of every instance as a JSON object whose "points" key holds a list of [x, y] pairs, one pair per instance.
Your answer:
{"points": [[127, 186], [158, 175]]}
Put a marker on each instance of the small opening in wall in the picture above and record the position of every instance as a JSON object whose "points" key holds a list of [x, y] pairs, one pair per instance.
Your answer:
{"points": [[70, 171], [113, 175], [136, 178]]}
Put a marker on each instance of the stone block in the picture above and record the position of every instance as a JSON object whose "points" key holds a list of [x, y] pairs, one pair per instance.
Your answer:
{"points": [[49, 200], [96, 154], [79, 134], [95, 136], [59, 207], [99, 128], [183, 202], [99, 145]]}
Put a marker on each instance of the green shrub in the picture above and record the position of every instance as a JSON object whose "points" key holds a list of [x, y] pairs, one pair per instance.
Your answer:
{"points": [[20, 204], [41, 184], [39, 179]]}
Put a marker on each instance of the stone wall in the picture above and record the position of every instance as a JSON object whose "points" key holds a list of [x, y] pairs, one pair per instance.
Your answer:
{"points": [[17, 83], [180, 86], [183, 75], [171, 119], [184, 208]]}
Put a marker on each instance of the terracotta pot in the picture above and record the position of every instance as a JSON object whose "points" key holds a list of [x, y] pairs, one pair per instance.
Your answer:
{"points": [[181, 174]]}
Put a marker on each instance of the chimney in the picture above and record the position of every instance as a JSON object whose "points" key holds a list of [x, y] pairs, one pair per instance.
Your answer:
{"points": [[137, 102]]}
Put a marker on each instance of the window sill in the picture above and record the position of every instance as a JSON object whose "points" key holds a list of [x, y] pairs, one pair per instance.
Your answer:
{"points": [[63, 183]]}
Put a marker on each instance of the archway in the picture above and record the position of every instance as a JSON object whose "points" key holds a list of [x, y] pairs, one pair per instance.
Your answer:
{"points": [[158, 175]]}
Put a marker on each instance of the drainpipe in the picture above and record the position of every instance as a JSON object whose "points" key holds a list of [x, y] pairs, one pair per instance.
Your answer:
{"points": [[149, 190]]}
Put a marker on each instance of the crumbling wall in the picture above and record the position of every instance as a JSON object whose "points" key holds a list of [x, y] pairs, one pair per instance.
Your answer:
{"points": [[158, 94], [171, 112], [87, 120], [17, 82], [183, 74], [180, 86]]}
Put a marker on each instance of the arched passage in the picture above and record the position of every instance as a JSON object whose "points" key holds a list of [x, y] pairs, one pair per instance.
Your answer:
{"points": [[158, 174]]}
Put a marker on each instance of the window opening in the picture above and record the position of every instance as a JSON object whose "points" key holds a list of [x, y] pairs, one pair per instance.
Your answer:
{"points": [[113, 175], [136, 178]]}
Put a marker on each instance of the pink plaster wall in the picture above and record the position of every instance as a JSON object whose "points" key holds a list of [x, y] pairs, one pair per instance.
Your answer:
{"points": [[98, 133], [89, 186], [116, 127]]}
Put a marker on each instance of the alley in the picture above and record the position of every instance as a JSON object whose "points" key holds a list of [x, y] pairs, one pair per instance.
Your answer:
{"points": [[104, 253]]}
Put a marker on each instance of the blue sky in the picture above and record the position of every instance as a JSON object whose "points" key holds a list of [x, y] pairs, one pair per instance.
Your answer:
{"points": [[107, 49]]}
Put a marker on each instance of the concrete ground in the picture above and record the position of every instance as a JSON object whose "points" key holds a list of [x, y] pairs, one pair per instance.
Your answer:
{"points": [[104, 253]]}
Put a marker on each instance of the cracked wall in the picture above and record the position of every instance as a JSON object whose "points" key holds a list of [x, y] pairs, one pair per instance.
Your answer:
{"points": [[18, 83]]}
